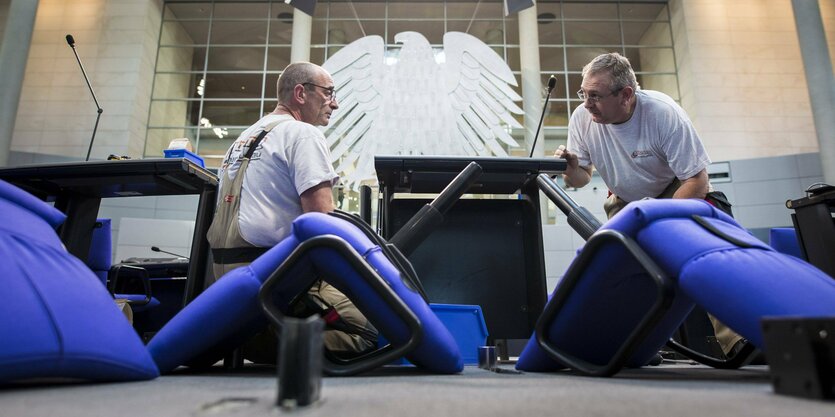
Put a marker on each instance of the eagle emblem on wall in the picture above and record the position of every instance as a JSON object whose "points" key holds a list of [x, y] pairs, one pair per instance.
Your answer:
{"points": [[418, 101]]}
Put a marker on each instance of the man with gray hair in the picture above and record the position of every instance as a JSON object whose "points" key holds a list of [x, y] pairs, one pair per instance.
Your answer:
{"points": [[276, 170], [640, 141], [642, 144]]}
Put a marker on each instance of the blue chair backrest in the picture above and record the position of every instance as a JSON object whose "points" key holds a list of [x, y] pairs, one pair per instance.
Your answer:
{"points": [[101, 249], [784, 240]]}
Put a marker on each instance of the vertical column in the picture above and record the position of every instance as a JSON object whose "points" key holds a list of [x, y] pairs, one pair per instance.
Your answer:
{"points": [[819, 79], [531, 79], [13, 54], [300, 47], [532, 88]]}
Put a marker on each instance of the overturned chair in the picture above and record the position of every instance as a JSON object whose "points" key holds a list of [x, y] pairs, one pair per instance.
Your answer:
{"points": [[57, 320], [639, 276], [343, 251], [229, 312]]}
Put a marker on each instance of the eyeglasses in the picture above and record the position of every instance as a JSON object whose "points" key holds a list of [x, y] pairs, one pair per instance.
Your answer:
{"points": [[594, 98], [329, 91]]}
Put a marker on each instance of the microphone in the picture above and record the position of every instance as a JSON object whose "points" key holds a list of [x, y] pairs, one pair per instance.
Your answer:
{"points": [[71, 43], [552, 82], [157, 249]]}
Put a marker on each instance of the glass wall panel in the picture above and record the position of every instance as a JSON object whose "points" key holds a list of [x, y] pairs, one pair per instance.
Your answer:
{"points": [[187, 32], [351, 10], [278, 58], [416, 10], [241, 32], [665, 83], [596, 10], [218, 61], [186, 58], [241, 10], [181, 86], [187, 10], [578, 57], [550, 32], [551, 59], [432, 30], [490, 32], [592, 33], [644, 11], [168, 113], [647, 33], [512, 30], [557, 113], [231, 113], [652, 59], [343, 32], [239, 58], [281, 31], [234, 86]]}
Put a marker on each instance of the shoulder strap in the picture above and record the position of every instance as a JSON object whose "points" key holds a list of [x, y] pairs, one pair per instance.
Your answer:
{"points": [[258, 139]]}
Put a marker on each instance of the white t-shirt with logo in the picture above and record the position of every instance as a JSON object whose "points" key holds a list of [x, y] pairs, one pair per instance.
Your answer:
{"points": [[292, 158], [639, 158]]}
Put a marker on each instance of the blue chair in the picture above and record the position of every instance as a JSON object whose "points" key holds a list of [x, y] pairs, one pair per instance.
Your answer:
{"points": [[638, 277], [56, 318], [230, 311], [784, 240], [99, 260]]}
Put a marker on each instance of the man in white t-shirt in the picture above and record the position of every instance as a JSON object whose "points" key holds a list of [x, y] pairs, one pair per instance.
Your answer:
{"points": [[641, 142], [286, 174]]}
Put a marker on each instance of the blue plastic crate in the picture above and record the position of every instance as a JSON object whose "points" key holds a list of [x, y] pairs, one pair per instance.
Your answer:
{"points": [[183, 153], [465, 323]]}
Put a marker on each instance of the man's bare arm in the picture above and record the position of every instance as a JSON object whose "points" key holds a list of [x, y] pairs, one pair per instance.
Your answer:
{"points": [[318, 198], [693, 187], [575, 175]]}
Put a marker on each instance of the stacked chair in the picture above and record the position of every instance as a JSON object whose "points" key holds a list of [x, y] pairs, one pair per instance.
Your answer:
{"points": [[641, 273]]}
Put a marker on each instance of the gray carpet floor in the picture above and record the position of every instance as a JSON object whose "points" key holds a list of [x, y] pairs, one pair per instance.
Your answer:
{"points": [[672, 389]]}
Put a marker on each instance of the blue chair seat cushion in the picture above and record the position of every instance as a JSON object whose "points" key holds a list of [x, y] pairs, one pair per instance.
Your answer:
{"points": [[56, 319]]}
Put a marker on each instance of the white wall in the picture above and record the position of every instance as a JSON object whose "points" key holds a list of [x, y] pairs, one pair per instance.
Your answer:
{"points": [[117, 42], [741, 76]]}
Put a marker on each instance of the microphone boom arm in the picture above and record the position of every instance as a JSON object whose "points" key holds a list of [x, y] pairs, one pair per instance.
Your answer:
{"points": [[552, 82], [99, 110]]}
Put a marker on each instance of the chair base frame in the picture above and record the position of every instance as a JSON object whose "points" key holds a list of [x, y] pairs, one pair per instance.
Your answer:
{"points": [[344, 367]]}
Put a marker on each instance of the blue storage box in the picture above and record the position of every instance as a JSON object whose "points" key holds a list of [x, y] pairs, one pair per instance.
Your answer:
{"points": [[183, 153], [465, 322]]}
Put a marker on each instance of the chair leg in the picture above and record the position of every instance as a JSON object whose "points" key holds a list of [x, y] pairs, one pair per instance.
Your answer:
{"points": [[741, 358], [234, 359]]}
